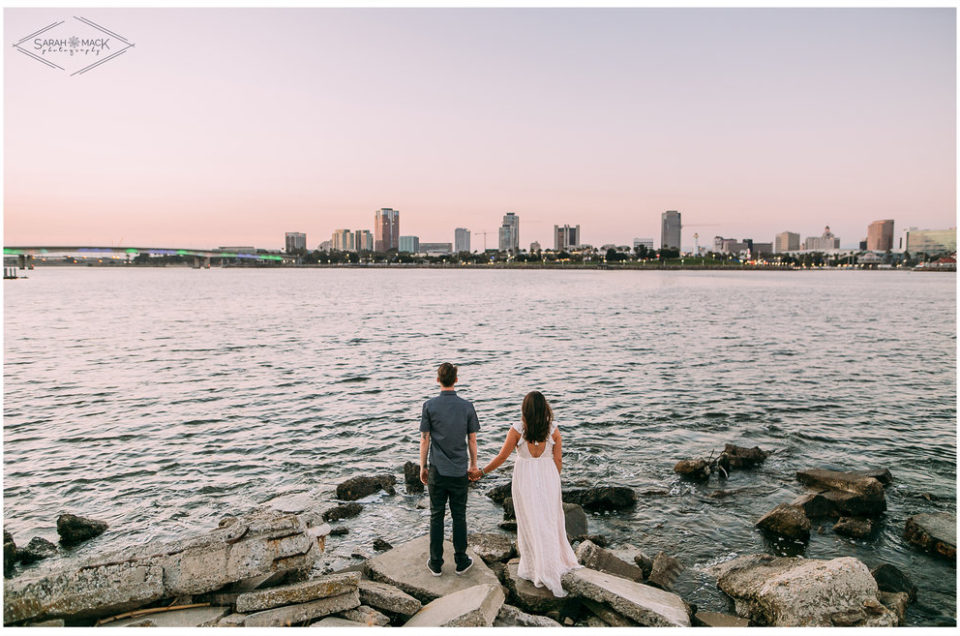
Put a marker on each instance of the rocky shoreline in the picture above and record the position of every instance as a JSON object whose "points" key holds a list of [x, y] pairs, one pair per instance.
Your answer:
{"points": [[259, 569]]}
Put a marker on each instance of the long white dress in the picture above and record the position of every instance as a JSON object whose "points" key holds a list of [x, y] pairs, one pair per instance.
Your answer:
{"points": [[545, 554]]}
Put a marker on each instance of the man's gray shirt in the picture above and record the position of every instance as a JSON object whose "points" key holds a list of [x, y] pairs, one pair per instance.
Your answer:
{"points": [[449, 419]]}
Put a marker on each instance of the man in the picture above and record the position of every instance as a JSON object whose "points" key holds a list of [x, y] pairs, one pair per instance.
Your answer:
{"points": [[448, 429]]}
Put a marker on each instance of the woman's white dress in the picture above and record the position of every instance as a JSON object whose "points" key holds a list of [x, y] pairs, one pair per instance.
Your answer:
{"points": [[545, 554]]}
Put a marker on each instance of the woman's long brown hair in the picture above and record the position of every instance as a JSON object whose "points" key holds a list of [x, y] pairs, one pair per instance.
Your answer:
{"points": [[537, 417]]}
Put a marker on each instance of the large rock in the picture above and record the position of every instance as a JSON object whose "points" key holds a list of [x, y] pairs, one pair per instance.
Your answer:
{"points": [[742, 457], [508, 511], [664, 571], [366, 616], [786, 521], [363, 486], [600, 498], [510, 616], [190, 617], [38, 548], [343, 511], [491, 547], [530, 598], [693, 469], [73, 529], [406, 568], [303, 612], [9, 554], [816, 506], [854, 493], [332, 585], [889, 578], [388, 598], [574, 520], [476, 606], [644, 604], [795, 592], [896, 602], [241, 548], [856, 527], [596, 558], [500, 492], [880, 474], [935, 533], [856, 504], [411, 477]]}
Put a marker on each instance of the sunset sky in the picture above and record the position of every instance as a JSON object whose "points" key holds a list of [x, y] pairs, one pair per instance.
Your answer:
{"points": [[232, 126]]}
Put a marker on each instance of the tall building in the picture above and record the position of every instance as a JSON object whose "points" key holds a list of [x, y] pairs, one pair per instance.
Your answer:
{"points": [[565, 237], [362, 241], [461, 240], [295, 242], [409, 244], [786, 242], [670, 229], [930, 241], [880, 236], [342, 241], [510, 233], [823, 243], [386, 230], [645, 242]]}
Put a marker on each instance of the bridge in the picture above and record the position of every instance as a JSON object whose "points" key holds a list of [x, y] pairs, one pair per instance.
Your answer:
{"points": [[201, 257]]}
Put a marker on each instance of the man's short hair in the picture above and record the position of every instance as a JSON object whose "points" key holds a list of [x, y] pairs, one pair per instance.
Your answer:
{"points": [[447, 374]]}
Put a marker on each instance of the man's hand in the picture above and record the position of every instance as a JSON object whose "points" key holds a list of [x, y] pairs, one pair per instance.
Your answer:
{"points": [[424, 475], [474, 473]]}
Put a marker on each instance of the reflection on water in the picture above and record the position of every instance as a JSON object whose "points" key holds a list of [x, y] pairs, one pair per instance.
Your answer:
{"points": [[161, 399]]}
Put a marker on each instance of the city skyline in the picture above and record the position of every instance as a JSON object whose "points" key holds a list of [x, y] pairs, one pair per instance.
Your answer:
{"points": [[750, 122]]}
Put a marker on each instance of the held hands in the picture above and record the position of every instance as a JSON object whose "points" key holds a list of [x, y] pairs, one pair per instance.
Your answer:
{"points": [[474, 473]]}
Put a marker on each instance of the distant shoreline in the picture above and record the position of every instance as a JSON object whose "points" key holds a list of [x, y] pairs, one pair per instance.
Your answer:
{"points": [[511, 266]]}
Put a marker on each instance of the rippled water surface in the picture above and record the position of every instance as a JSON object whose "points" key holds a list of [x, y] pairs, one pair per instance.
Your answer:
{"points": [[161, 399]]}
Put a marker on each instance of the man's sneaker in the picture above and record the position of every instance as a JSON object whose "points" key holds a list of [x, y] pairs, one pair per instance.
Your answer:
{"points": [[462, 569], [436, 572]]}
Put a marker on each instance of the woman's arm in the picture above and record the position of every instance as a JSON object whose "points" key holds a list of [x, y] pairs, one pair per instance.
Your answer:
{"points": [[557, 450], [508, 445]]}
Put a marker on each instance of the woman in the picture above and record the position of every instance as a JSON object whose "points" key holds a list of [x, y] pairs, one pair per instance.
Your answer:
{"points": [[545, 554]]}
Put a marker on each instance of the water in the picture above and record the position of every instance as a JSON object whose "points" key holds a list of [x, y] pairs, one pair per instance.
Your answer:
{"points": [[161, 399]]}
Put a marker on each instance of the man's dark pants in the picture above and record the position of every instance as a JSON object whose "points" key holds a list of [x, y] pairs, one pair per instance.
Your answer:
{"points": [[441, 489]]}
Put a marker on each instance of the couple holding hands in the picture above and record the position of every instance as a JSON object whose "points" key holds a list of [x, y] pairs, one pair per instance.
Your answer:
{"points": [[448, 434]]}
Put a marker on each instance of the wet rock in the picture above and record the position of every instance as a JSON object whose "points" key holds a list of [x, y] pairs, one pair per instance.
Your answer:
{"points": [[889, 578], [645, 563], [38, 548], [716, 619], [856, 527], [508, 511], [574, 520], [839, 480], [693, 469], [303, 612], [339, 531], [935, 533], [856, 504], [529, 598], [492, 547], [343, 511], [500, 492], [816, 506], [509, 526], [510, 616], [405, 567], [601, 498], [475, 606], [786, 521], [388, 598], [380, 545], [742, 457], [325, 587], [664, 571], [880, 474], [795, 592], [597, 539], [257, 544], [896, 602], [607, 615], [594, 557], [189, 617], [411, 478], [9, 554], [363, 486], [641, 603], [73, 529], [366, 616]]}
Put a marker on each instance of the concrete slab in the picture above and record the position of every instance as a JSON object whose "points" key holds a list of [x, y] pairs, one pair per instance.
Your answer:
{"points": [[388, 598], [644, 604], [333, 621], [192, 617], [405, 567], [295, 614], [531, 598], [325, 587], [475, 606]]}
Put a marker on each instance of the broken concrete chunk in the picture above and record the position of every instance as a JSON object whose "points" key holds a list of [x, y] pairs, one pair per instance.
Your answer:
{"points": [[366, 616], [296, 614], [476, 606], [510, 616], [642, 603], [388, 598], [596, 558], [332, 585], [492, 547]]}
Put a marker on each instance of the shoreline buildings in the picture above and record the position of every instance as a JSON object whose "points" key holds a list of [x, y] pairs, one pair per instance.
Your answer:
{"points": [[786, 242], [645, 242], [409, 244], [823, 243], [295, 242], [565, 237], [670, 230], [461, 240], [917, 241], [880, 236], [509, 233], [386, 230]]}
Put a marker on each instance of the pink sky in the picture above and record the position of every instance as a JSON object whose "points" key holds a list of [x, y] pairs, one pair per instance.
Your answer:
{"points": [[232, 126]]}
